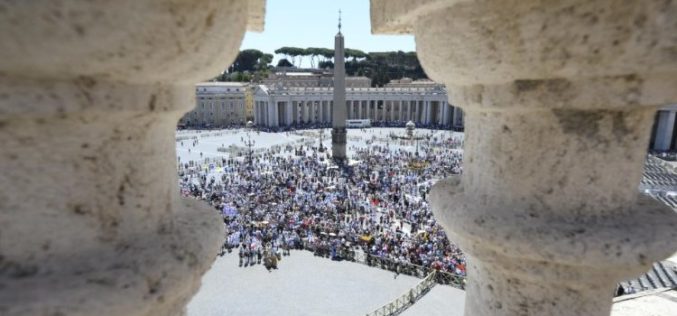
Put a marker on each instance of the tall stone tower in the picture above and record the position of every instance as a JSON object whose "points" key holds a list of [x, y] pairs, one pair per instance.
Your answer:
{"points": [[339, 110]]}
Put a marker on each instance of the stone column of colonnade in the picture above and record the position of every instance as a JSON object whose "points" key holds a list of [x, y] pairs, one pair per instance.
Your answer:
{"points": [[90, 95], [367, 107], [559, 100], [300, 114], [363, 109], [359, 108], [410, 108], [400, 110], [446, 113], [383, 115], [407, 110], [392, 111], [415, 112], [327, 110], [317, 111], [384, 110], [313, 111], [425, 112], [325, 119], [354, 109], [375, 109], [289, 112], [441, 111], [312, 118]]}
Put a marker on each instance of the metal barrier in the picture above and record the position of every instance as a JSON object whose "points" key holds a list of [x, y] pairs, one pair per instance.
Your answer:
{"points": [[444, 278], [407, 299]]}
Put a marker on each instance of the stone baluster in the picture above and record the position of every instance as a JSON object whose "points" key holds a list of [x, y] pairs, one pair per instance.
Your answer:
{"points": [[90, 94], [559, 99]]}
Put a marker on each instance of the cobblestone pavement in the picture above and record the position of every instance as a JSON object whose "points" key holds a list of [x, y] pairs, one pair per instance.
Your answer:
{"points": [[440, 301], [305, 285]]}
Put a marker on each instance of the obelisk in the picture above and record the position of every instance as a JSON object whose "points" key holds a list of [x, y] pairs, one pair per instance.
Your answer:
{"points": [[339, 109]]}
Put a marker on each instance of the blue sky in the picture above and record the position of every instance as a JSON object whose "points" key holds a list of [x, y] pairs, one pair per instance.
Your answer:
{"points": [[313, 23]]}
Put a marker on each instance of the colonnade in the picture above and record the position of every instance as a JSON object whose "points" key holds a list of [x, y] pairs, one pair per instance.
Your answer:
{"points": [[419, 111], [271, 112]]}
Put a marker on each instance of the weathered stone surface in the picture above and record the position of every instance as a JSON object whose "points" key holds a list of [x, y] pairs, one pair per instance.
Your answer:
{"points": [[559, 100], [90, 93]]}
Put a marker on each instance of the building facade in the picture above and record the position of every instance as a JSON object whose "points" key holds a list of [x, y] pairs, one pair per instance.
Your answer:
{"points": [[425, 105], [218, 104]]}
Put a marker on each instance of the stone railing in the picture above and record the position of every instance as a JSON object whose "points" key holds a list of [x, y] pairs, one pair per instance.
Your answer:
{"points": [[407, 299], [557, 128], [98, 109]]}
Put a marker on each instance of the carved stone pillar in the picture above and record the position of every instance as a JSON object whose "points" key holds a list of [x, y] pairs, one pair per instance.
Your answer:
{"points": [[559, 99], [90, 94]]}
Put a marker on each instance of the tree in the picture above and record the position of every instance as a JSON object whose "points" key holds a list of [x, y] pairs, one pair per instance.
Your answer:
{"points": [[283, 51], [264, 62], [246, 60], [284, 62], [313, 52], [327, 53], [326, 64], [354, 53], [380, 67], [291, 53], [295, 52]]}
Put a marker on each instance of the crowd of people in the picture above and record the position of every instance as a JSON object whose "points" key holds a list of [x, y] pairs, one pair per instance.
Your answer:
{"points": [[292, 198]]}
